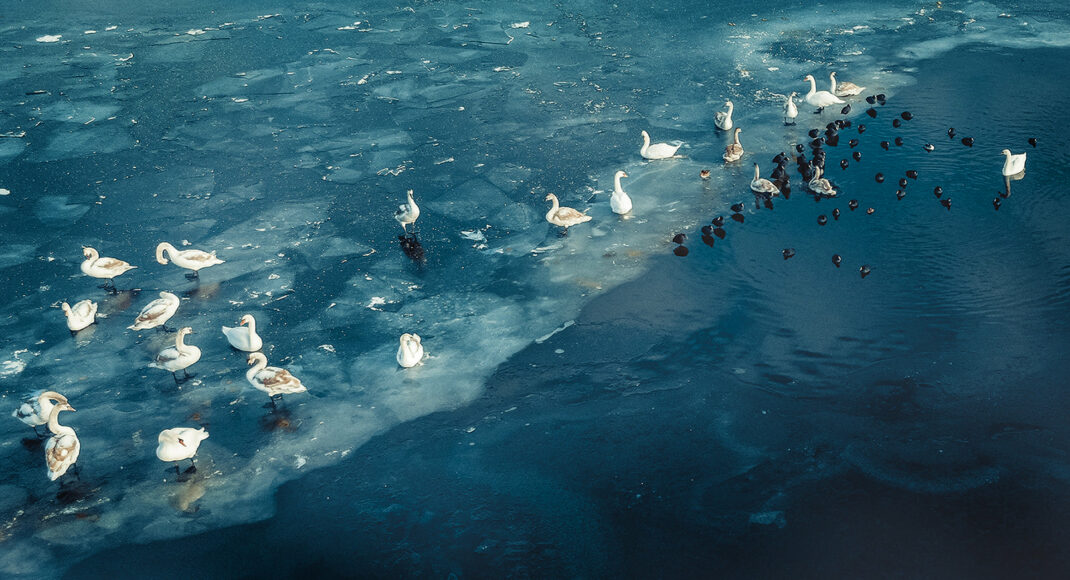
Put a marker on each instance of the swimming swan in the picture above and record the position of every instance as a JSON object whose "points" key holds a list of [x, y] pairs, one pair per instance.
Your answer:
{"points": [[410, 351], [761, 185], [723, 119], [619, 202], [1013, 164], [734, 150], [657, 150]]}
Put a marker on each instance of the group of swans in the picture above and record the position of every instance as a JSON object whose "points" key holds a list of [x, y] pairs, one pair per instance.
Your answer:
{"points": [[61, 450]]}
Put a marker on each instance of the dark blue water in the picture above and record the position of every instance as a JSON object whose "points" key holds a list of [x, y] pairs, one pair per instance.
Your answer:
{"points": [[593, 406]]}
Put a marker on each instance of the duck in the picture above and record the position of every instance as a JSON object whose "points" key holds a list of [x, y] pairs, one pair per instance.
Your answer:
{"points": [[761, 185], [157, 312], [81, 315], [180, 443], [274, 381], [723, 119], [820, 185], [35, 410], [411, 351], [1013, 164], [734, 150], [104, 268], [844, 89], [407, 213], [820, 99], [246, 338], [564, 216], [179, 357], [790, 110], [61, 451], [189, 259], [657, 150], [619, 202]]}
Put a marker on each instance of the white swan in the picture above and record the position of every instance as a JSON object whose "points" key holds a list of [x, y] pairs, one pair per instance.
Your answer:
{"points": [[723, 119], [61, 451], [180, 443], [103, 268], [762, 185], [564, 216], [411, 351], [790, 110], [189, 259], [844, 89], [619, 202], [35, 410], [657, 150], [1013, 164], [274, 381], [157, 312], [81, 315], [244, 337], [820, 185], [407, 213], [179, 357], [734, 150], [820, 99]]}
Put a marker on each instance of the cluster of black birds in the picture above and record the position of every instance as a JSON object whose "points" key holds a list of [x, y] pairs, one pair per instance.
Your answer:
{"points": [[808, 168]]}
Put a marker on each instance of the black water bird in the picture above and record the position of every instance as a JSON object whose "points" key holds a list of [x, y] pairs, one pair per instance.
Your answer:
{"points": [[843, 163], [679, 238], [788, 253], [871, 100], [853, 204], [706, 230], [967, 141], [938, 191], [822, 220], [906, 115], [680, 250], [869, 211], [896, 123], [880, 178], [852, 143], [836, 214], [814, 133], [816, 143], [845, 110], [799, 148], [864, 270], [946, 202], [903, 182], [1033, 141], [880, 98], [996, 203], [951, 133], [718, 221], [837, 260], [898, 141], [928, 147], [832, 140], [900, 194], [885, 145], [912, 174], [857, 155], [738, 207], [861, 128]]}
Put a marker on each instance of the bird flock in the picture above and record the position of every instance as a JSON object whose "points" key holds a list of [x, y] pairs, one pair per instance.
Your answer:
{"points": [[175, 444]]}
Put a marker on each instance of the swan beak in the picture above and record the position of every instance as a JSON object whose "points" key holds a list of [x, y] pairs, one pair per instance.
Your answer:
{"points": [[70, 408], [625, 175], [181, 442]]}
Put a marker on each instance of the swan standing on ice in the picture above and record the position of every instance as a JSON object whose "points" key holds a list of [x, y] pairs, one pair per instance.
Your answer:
{"points": [[410, 352], [564, 216], [820, 99], [844, 89], [157, 312], [820, 185], [35, 410], [189, 259], [244, 337], [619, 202], [723, 119], [790, 110], [657, 150], [179, 357], [407, 213], [81, 315], [274, 381], [61, 451], [734, 150], [762, 186], [1013, 164], [103, 268], [180, 443]]}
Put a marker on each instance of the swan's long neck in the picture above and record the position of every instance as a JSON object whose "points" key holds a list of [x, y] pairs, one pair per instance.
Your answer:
{"points": [[813, 86], [53, 423], [735, 137], [412, 202], [757, 174], [252, 326], [67, 309], [259, 365], [180, 343], [93, 255], [616, 184], [410, 346], [161, 249], [554, 207], [832, 83], [730, 108], [646, 143]]}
